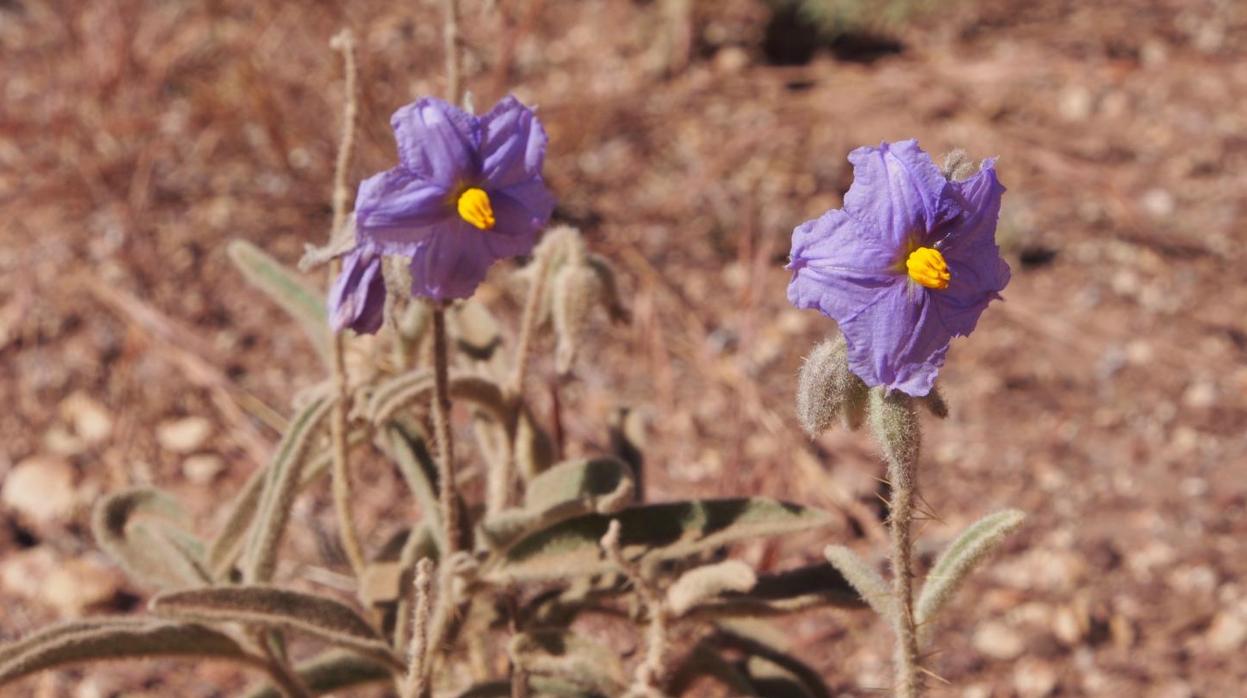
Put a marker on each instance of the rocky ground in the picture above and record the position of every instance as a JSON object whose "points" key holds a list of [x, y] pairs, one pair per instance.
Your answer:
{"points": [[1106, 397]]}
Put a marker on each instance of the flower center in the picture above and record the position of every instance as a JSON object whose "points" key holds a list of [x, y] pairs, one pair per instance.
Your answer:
{"points": [[927, 267], [474, 208]]}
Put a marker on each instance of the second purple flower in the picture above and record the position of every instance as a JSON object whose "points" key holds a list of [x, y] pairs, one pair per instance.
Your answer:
{"points": [[467, 191]]}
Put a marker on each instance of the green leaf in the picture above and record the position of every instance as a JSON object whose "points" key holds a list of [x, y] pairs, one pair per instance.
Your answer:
{"points": [[410, 450], [228, 543], [799, 589], [564, 655], [708, 581], [416, 387], [303, 303], [655, 531], [567, 490], [775, 681], [323, 617], [105, 638], [972, 547], [331, 671], [281, 485], [864, 578], [475, 331], [141, 529]]}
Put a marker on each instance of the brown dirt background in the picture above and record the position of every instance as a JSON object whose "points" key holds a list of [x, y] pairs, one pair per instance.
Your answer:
{"points": [[1107, 396]]}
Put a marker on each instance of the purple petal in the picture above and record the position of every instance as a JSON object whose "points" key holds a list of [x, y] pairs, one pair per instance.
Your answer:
{"points": [[450, 262], [513, 144], [518, 220], [836, 269], [357, 298], [437, 142], [394, 209], [899, 341], [969, 247], [898, 194]]}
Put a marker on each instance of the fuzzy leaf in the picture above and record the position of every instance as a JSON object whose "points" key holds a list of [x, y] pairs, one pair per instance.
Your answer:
{"points": [[331, 671], [602, 485], [973, 546], [410, 450], [140, 529], [98, 639], [657, 531], [474, 329], [774, 681], [864, 578], [281, 485], [302, 302], [534, 449], [415, 387], [702, 583], [323, 617], [569, 489], [564, 655], [799, 589]]}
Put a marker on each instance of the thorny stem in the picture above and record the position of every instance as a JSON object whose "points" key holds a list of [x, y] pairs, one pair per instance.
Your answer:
{"points": [[344, 43], [902, 472], [650, 674], [417, 683]]}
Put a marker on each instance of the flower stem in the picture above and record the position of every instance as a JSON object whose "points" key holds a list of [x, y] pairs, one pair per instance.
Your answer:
{"points": [[448, 496], [894, 419], [908, 671], [345, 43]]}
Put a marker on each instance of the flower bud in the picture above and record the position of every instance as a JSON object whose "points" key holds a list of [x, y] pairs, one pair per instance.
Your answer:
{"points": [[577, 291], [958, 166], [828, 390]]}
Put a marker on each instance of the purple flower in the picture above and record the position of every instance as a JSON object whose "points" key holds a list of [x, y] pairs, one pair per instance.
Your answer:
{"points": [[910, 262], [467, 192], [357, 299]]}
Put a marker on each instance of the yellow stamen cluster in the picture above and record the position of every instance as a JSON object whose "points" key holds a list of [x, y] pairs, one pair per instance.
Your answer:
{"points": [[474, 208], [927, 267]]}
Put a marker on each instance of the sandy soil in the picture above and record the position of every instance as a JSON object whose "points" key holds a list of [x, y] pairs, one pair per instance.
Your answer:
{"points": [[1106, 397]]}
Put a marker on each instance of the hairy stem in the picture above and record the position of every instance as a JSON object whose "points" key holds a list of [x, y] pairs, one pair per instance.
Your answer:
{"points": [[417, 684], [652, 671], [448, 496], [344, 43], [895, 422]]}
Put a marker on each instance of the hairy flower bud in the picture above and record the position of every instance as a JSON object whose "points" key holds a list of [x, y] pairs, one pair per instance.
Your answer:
{"points": [[958, 166], [577, 290], [827, 389]]}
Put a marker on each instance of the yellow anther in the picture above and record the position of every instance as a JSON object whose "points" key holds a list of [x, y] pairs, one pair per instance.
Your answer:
{"points": [[927, 267], [474, 208]]}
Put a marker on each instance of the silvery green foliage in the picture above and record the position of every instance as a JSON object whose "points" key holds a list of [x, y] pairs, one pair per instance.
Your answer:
{"points": [[532, 567]]}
